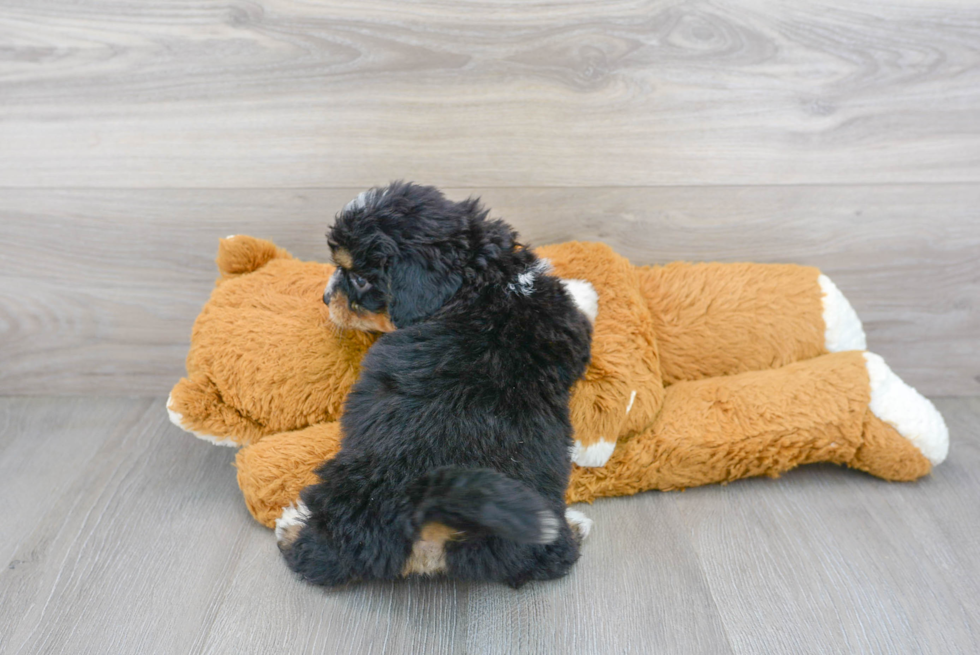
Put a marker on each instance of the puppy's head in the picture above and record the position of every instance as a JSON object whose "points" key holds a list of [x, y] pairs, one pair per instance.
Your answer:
{"points": [[401, 253]]}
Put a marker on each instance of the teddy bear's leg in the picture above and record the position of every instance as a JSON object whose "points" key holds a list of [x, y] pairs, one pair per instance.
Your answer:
{"points": [[720, 319], [272, 472], [195, 397], [897, 405], [841, 408], [887, 454]]}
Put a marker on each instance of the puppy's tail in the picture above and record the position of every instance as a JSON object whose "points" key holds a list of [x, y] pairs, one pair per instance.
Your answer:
{"points": [[483, 501]]}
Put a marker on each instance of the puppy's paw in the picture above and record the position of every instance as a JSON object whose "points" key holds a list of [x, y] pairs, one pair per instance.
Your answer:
{"points": [[580, 524], [289, 524]]}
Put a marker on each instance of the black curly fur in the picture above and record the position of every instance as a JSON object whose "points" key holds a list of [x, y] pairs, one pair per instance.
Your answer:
{"points": [[460, 416]]}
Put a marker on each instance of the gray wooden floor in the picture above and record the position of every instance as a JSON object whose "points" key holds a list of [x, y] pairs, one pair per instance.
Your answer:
{"points": [[122, 534]]}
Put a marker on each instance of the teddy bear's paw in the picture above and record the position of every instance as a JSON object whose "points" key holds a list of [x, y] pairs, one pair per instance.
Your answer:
{"points": [[906, 410], [177, 419], [584, 296], [580, 524], [290, 522], [593, 455], [843, 327]]}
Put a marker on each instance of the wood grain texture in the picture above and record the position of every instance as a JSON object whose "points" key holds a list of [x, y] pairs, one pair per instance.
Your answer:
{"points": [[144, 545], [99, 288], [124, 561], [282, 93], [53, 441]]}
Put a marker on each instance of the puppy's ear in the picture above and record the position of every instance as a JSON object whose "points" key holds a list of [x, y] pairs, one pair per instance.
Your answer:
{"points": [[418, 288]]}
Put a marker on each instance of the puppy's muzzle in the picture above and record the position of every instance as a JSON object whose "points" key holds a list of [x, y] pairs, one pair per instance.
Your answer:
{"points": [[330, 288], [348, 315]]}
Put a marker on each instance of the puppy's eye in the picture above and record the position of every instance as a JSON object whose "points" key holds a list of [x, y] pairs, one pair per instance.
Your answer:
{"points": [[360, 283]]}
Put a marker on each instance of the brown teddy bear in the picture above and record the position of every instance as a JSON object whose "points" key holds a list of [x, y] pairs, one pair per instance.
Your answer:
{"points": [[700, 373]]}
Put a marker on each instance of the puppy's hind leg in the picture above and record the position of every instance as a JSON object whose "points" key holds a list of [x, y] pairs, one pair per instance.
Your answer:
{"points": [[553, 560], [307, 553], [290, 522], [580, 524]]}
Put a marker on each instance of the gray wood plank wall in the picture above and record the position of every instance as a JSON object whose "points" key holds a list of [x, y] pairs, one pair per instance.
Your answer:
{"points": [[844, 135]]}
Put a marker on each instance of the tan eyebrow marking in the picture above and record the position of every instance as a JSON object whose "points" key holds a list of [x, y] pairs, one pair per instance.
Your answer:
{"points": [[343, 258]]}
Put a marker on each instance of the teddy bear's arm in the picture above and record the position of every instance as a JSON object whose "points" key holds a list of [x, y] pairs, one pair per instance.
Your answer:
{"points": [[622, 388], [196, 406], [842, 408], [719, 319]]}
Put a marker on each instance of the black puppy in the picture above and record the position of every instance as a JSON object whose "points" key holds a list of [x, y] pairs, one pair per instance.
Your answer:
{"points": [[456, 442]]}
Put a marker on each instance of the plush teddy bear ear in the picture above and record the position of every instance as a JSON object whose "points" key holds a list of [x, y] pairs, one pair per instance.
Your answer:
{"points": [[417, 289], [240, 254]]}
